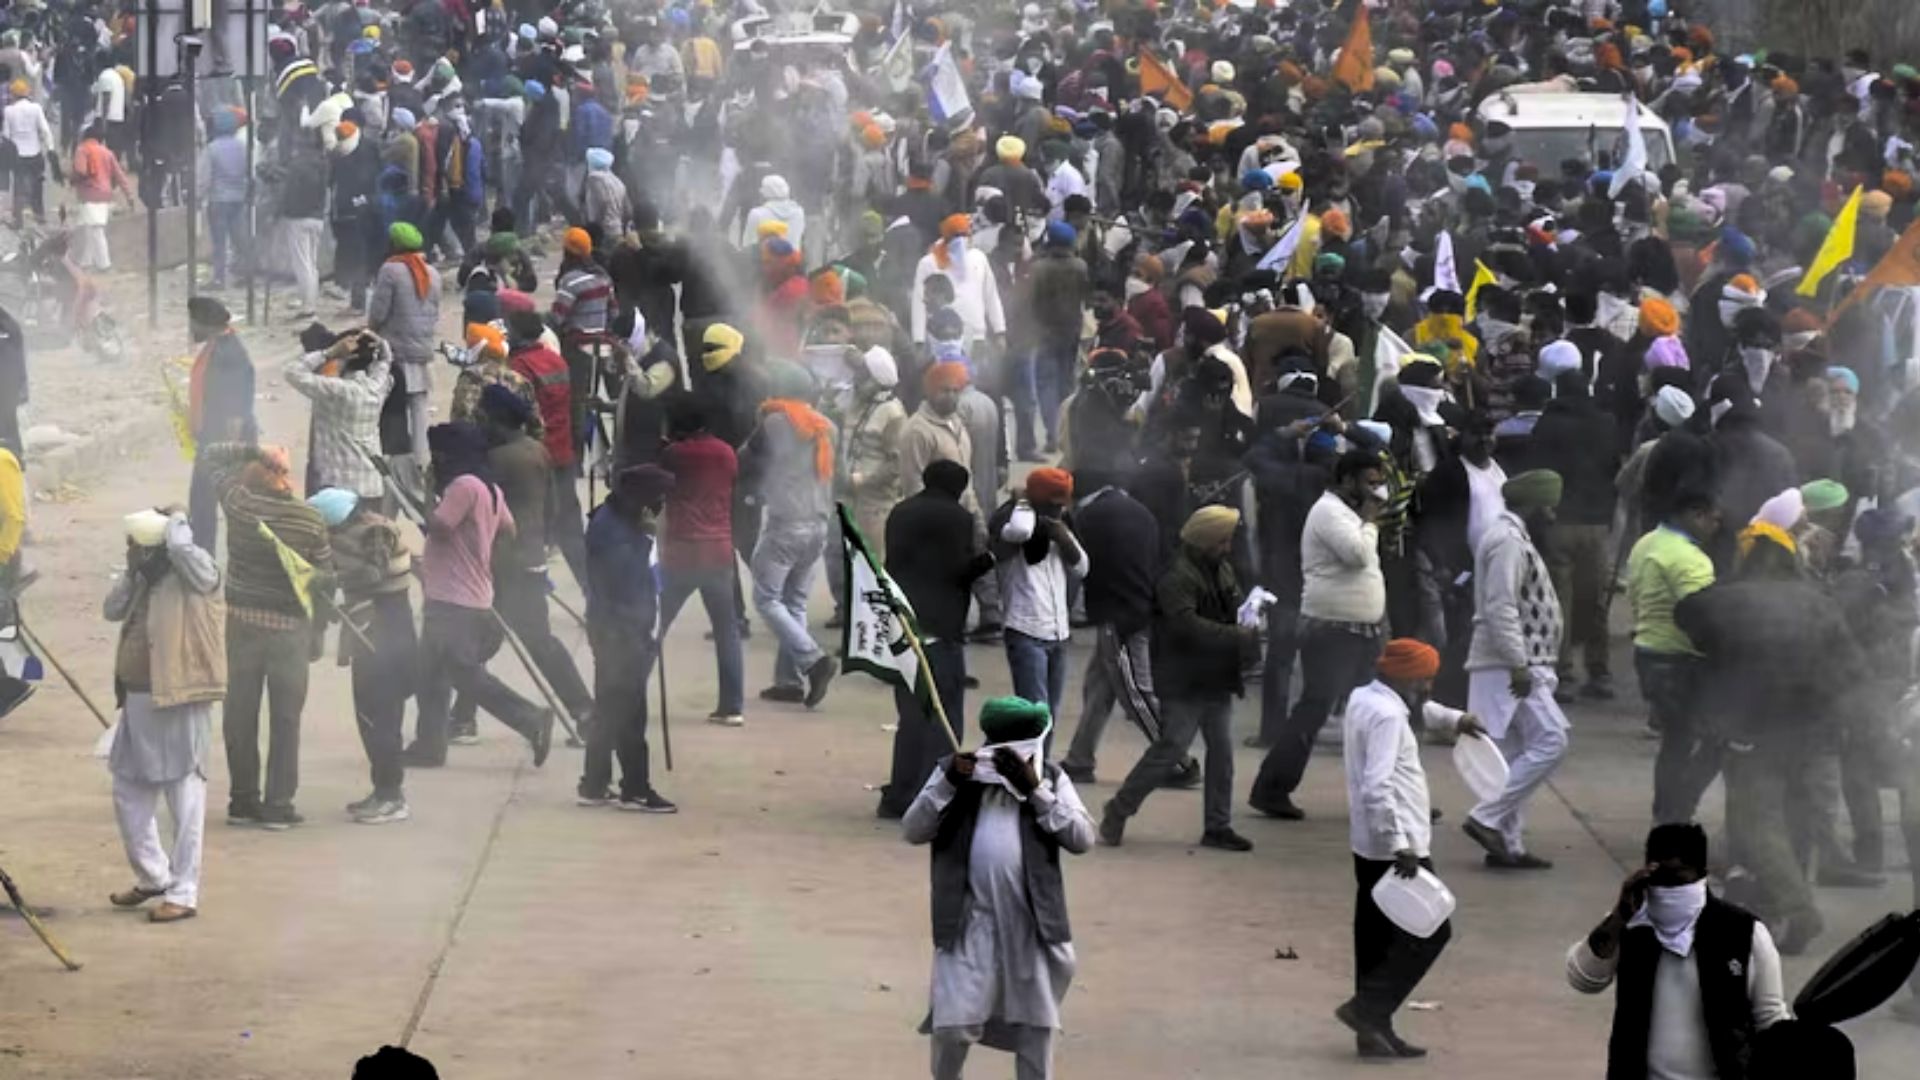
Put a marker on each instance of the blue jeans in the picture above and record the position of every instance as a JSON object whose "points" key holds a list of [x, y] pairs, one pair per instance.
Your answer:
{"points": [[1039, 669], [1038, 380], [783, 564], [228, 224], [715, 587]]}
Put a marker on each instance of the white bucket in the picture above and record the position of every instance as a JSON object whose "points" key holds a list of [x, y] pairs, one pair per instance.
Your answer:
{"points": [[1418, 905], [1481, 766]]}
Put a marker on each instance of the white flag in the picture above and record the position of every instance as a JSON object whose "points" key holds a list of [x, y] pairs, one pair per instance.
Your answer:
{"points": [[879, 620], [896, 66], [1445, 274], [1388, 349], [946, 90], [1634, 164], [1283, 248], [902, 22]]}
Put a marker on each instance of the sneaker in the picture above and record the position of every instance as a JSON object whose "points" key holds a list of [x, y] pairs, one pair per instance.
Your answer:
{"points": [[650, 803], [280, 818], [786, 695], [727, 719], [1283, 808], [1113, 827], [16, 695], [1079, 774], [384, 812], [594, 798], [819, 677], [542, 738], [1225, 840], [464, 737], [372, 800], [242, 816]]}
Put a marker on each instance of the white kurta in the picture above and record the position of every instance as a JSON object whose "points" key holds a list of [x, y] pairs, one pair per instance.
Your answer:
{"points": [[999, 971]]}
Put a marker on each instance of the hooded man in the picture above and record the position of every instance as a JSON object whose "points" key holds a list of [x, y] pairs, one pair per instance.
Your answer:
{"points": [[1697, 976], [777, 205], [1512, 663], [1391, 831], [1199, 651], [169, 668], [1003, 947]]}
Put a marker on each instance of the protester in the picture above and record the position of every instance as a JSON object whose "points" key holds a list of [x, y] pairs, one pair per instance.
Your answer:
{"points": [[622, 610], [789, 462], [219, 405], [404, 309], [348, 382], [1036, 554], [375, 571], [696, 548]]}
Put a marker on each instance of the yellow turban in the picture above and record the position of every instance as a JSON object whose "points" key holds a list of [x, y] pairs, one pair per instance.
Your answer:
{"points": [[1209, 526], [770, 228], [1010, 149], [719, 345]]}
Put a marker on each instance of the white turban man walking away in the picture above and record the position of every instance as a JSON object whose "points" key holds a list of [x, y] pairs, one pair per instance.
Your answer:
{"points": [[169, 669], [1003, 952], [1513, 662]]}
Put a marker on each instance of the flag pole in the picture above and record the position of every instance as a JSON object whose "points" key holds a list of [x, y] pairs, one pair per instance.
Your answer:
{"points": [[852, 545], [933, 695]]}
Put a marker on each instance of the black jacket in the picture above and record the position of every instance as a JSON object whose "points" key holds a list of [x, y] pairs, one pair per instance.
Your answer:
{"points": [[1575, 439], [1723, 944], [930, 556], [1198, 650], [1120, 538], [1780, 659]]}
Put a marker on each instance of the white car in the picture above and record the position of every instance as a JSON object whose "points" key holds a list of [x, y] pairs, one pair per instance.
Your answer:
{"points": [[1549, 128]]}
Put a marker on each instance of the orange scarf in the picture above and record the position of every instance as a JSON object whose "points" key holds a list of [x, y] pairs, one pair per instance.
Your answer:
{"points": [[416, 264], [197, 383], [807, 424]]}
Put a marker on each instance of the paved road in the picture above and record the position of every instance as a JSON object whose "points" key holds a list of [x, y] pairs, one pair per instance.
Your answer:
{"points": [[773, 928]]}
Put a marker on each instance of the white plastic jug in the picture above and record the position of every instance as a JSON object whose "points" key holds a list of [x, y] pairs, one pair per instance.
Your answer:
{"points": [[1481, 766], [1418, 904]]}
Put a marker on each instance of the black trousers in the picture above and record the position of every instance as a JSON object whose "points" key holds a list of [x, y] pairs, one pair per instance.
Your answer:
{"points": [[520, 596], [455, 643], [918, 742], [1388, 962], [382, 682], [1332, 662], [746, 537], [621, 667]]}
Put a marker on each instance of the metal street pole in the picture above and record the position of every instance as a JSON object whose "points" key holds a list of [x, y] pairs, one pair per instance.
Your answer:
{"points": [[253, 136], [155, 185], [189, 54]]}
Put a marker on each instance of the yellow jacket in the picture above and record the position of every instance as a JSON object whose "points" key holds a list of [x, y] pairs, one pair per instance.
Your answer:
{"points": [[13, 504]]}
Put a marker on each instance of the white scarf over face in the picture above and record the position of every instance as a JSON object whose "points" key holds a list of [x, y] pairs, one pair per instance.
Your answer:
{"points": [[1029, 750], [1673, 912]]}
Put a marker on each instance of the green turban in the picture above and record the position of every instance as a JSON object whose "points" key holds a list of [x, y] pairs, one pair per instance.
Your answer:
{"points": [[1010, 719], [1535, 489], [786, 379], [853, 282], [512, 87], [1329, 264], [404, 237], [1820, 495], [503, 244], [873, 227]]}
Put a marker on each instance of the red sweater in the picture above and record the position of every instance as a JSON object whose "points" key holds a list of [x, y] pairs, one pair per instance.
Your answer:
{"points": [[553, 391], [699, 534]]}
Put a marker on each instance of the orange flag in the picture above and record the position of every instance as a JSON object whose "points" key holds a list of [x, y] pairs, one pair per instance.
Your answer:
{"points": [[1899, 266], [1355, 66], [1157, 78]]}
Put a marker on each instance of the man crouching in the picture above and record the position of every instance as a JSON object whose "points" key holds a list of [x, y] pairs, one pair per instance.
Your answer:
{"points": [[1003, 953]]}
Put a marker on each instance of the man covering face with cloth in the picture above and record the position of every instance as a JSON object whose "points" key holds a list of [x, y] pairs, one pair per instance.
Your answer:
{"points": [[1003, 952]]}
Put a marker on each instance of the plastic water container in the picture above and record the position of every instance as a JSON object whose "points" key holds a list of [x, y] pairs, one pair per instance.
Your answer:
{"points": [[1481, 766], [1418, 904]]}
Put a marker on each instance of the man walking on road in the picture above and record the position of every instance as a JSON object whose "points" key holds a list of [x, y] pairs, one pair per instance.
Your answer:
{"points": [[623, 604], [1342, 606], [790, 458], [1199, 652], [1035, 552], [1391, 831], [1511, 664], [1666, 566], [696, 551]]}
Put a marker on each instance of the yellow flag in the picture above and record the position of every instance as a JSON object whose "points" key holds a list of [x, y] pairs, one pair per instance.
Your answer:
{"points": [[1481, 276], [1835, 249], [299, 570], [177, 374], [1355, 66]]}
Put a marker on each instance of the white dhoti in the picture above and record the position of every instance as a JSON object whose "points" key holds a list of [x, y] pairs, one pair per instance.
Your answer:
{"points": [[90, 237], [1532, 734]]}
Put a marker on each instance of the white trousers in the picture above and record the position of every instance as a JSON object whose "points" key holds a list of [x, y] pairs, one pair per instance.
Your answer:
{"points": [[1531, 734], [90, 249], [136, 804], [303, 258]]}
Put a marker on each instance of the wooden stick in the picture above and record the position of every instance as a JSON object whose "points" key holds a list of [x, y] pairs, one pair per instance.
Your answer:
{"points": [[666, 731], [933, 691], [74, 684], [33, 921]]}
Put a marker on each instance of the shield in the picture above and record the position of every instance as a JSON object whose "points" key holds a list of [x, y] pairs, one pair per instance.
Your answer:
{"points": [[1864, 973]]}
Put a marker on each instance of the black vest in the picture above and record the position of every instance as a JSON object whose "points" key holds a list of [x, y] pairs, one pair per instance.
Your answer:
{"points": [[1039, 857], [1722, 949]]}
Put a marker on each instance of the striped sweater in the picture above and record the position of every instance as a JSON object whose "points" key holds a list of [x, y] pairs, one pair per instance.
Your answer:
{"points": [[255, 579]]}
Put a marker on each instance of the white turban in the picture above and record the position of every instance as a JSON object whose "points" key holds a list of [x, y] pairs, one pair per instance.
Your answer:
{"points": [[1673, 406], [1783, 511], [1558, 358], [1222, 72], [881, 367], [146, 528]]}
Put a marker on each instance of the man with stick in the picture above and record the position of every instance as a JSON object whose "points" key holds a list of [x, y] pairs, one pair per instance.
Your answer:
{"points": [[623, 604]]}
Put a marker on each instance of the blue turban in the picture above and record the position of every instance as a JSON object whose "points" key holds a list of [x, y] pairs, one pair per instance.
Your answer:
{"points": [[1479, 181], [403, 119], [1061, 234], [535, 90], [1846, 375], [1735, 248], [599, 160], [1425, 129], [334, 504], [1256, 180]]}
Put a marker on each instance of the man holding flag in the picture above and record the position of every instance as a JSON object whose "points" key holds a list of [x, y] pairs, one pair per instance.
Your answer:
{"points": [[932, 565]]}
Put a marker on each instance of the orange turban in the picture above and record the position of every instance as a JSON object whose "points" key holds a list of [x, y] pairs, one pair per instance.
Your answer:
{"points": [[1408, 660], [1700, 37], [493, 342], [1682, 54], [873, 137], [1460, 133], [1746, 283], [826, 289], [346, 129], [946, 375], [1658, 318], [1897, 183], [1785, 86], [1050, 485], [1150, 269], [1335, 223], [954, 225], [577, 242]]}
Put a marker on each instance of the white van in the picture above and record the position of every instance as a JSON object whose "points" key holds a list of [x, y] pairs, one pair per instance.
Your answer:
{"points": [[1549, 128]]}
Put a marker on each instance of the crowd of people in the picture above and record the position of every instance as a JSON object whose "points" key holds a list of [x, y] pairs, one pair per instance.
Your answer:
{"points": [[1249, 338]]}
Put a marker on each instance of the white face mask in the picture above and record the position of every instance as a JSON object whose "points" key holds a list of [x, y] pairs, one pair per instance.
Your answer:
{"points": [[1379, 492], [1758, 363], [1672, 912]]}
